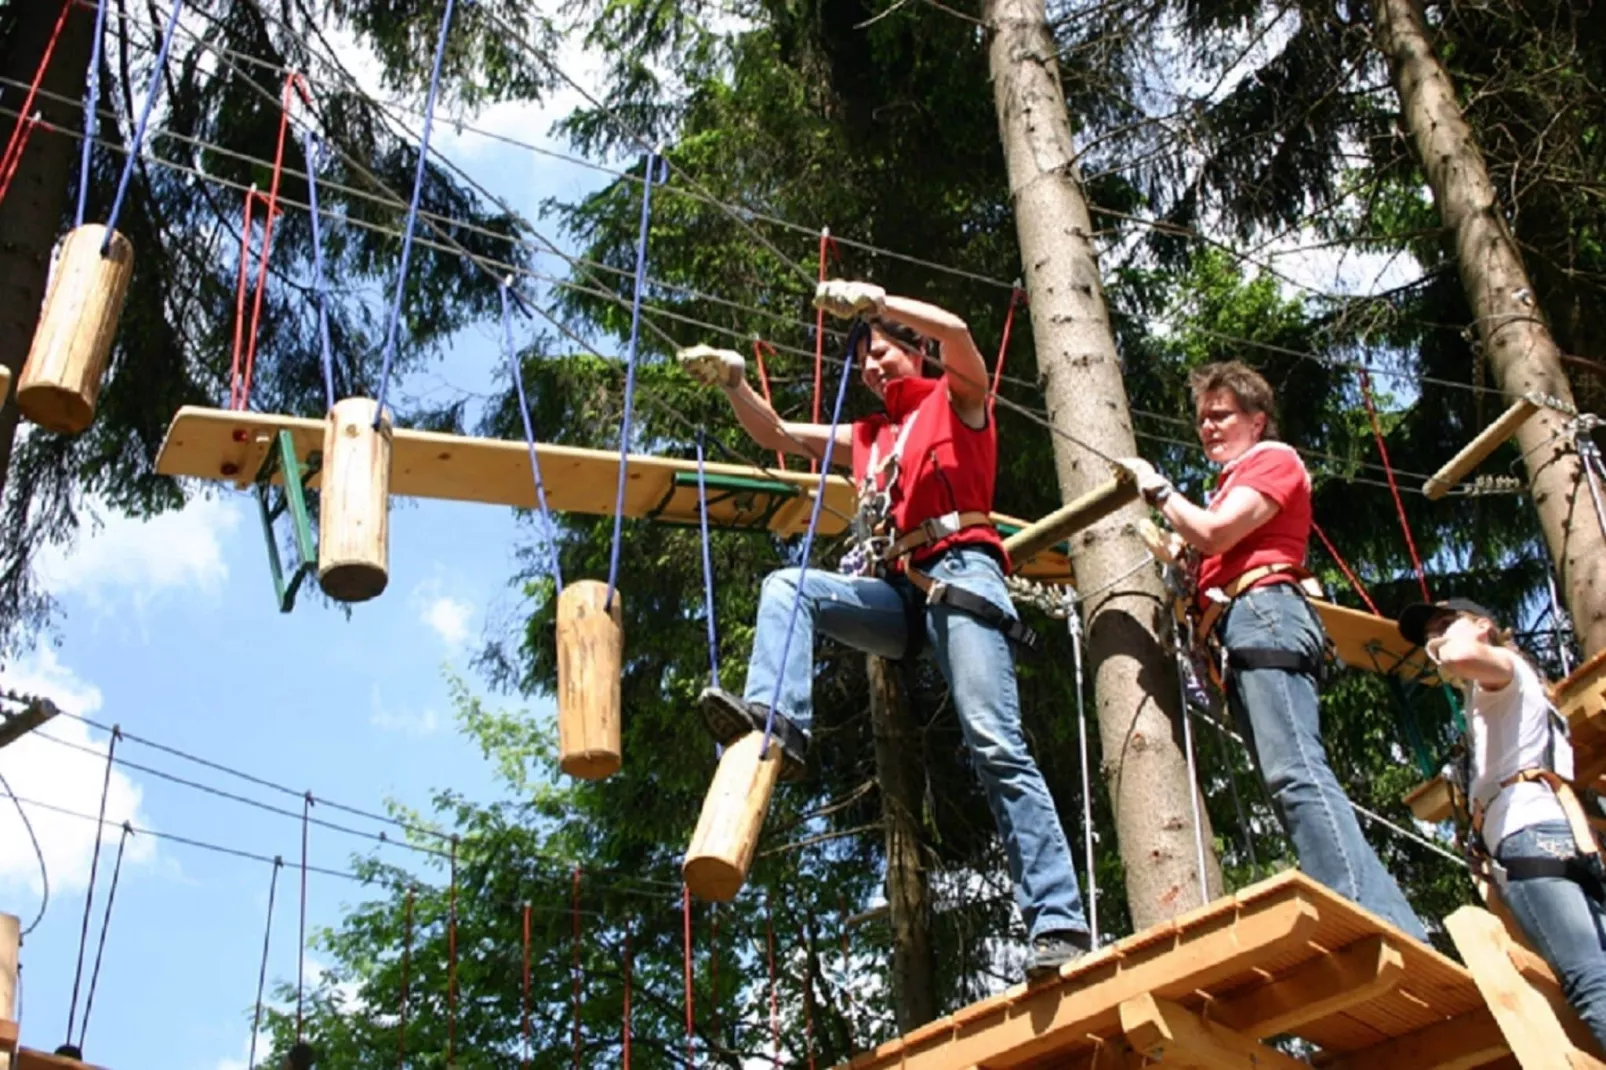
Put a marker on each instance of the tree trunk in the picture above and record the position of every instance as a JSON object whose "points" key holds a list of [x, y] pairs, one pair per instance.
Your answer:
{"points": [[31, 215], [897, 758], [1139, 707], [1516, 340]]}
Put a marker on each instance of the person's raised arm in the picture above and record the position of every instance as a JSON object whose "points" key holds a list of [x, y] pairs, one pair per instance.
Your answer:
{"points": [[727, 370], [1463, 654], [967, 371], [1210, 531]]}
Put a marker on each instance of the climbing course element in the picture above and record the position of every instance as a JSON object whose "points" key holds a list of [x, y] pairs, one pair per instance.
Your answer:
{"points": [[1285, 957], [549, 532], [590, 659], [1474, 452], [354, 508], [27, 118], [732, 817], [61, 380], [1072, 517]]}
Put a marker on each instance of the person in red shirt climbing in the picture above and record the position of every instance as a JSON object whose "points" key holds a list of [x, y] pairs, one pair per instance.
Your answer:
{"points": [[927, 565], [1251, 602]]}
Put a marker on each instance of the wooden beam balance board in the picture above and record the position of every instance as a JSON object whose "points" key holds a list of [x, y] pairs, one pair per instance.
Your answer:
{"points": [[1284, 958]]}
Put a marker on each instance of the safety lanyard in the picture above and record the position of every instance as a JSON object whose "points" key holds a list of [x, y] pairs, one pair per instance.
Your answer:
{"points": [[873, 473]]}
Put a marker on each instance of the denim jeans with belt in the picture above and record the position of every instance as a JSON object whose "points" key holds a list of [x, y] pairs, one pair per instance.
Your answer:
{"points": [[1278, 711], [977, 662], [1565, 923]]}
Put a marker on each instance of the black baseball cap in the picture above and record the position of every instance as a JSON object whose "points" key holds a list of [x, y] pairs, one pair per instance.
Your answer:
{"points": [[1415, 618]]}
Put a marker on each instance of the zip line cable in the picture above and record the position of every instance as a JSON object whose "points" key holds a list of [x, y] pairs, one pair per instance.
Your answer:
{"points": [[105, 925]]}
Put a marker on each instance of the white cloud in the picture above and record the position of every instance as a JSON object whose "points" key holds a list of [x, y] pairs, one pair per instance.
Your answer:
{"points": [[57, 775], [449, 618], [142, 559], [419, 725]]}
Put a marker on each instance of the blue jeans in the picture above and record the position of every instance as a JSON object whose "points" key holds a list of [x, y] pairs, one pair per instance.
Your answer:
{"points": [[1279, 713], [1565, 924], [975, 659]]}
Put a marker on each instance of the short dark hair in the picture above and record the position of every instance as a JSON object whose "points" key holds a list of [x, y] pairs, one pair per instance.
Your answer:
{"points": [[923, 348], [1254, 394]]}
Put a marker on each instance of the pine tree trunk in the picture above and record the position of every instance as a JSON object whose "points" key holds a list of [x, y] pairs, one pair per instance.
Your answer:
{"points": [[1516, 340], [897, 757], [1134, 674], [31, 216]]}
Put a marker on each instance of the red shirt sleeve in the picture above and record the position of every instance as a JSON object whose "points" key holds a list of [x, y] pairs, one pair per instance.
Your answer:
{"points": [[1277, 473]]}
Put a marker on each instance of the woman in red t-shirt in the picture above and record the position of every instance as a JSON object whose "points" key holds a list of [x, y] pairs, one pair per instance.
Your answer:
{"points": [[1251, 541]]}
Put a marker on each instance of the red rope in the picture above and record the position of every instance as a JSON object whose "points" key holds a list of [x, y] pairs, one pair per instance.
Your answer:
{"points": [[685, 940], [1016, 296], [526, 1060], [775, 1003], [1343, 566], [808, 1003], [407, 954], [574, 969], [819, 329], [451, 959], [240, 392], [251, 197], [624, 1054], [26, 122], [1388, 470], [842, 927], [759, 345], [301, 944]]}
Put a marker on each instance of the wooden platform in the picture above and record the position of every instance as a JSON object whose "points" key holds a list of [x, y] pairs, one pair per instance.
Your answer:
{"points": [[1282, 958], [28, 1059], [220, 445], [1581, 698]]}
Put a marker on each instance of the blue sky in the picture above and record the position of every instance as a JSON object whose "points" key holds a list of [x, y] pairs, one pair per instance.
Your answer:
{"points": [[171, 631]]}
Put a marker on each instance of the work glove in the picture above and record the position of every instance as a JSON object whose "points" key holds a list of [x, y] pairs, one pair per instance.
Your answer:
{"points": [[713, 367], [845, 299], [1166, 546], [1154, 487]]}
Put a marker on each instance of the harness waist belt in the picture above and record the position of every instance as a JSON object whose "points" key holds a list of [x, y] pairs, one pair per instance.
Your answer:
{"points": [[1221, 597], [944, 594], [938, 527], [1583, 835]]}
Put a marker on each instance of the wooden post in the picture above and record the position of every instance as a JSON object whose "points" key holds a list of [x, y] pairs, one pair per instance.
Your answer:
{"points": [[733, 815], [1067, 520], [591, 643], [5, 383], [354, 504], [10, 941], [61, 380], [1473, 453]]}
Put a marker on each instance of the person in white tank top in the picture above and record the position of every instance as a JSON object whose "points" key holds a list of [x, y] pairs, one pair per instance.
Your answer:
{"points": [[1512, 726]]}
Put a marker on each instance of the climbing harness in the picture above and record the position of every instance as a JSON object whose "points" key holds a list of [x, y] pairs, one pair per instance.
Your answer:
{"points": [[876, 547]]}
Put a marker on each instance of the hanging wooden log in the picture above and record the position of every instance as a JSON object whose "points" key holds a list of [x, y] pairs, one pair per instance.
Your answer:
{"points": [[354, 506], [1473, 453], [733, 816], [591, 643], [61, 380], [1072, 517]]}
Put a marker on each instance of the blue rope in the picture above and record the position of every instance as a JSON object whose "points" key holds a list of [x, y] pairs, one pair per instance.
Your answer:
{"points": [[529, 433], [412, 214], [315, 161], [139, 130], [630, 366], [708, 567], [860, 329], [91, 112]]}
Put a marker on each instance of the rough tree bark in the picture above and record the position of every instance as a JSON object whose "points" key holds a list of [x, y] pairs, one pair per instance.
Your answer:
{"points": [[31, 216], [898, 769], [1514, 336], [1145, 768]]}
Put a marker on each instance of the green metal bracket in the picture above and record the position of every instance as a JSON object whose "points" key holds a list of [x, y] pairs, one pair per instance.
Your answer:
{"points": [[282, 458], [723, 488]]}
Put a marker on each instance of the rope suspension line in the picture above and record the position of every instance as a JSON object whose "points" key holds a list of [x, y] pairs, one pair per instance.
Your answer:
{"points": [[1394, 490], [1073, 622], [574, 964], [301, 938], [91, 111], [759, 346], [451, 956], [407, 954], [685, 944], [105, 924], [860, 330], [1017, 297], [654, 162], [139, 129], [412, 219], [315, 155], [39, 853], [516, 371], [26, 119], [524, 993], [262, 972], [708, 566], [94, 867], [1343, 566]]}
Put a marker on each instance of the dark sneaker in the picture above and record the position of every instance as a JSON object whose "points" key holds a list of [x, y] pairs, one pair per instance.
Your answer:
{"points": [[729, 718], [1052, 950]]}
